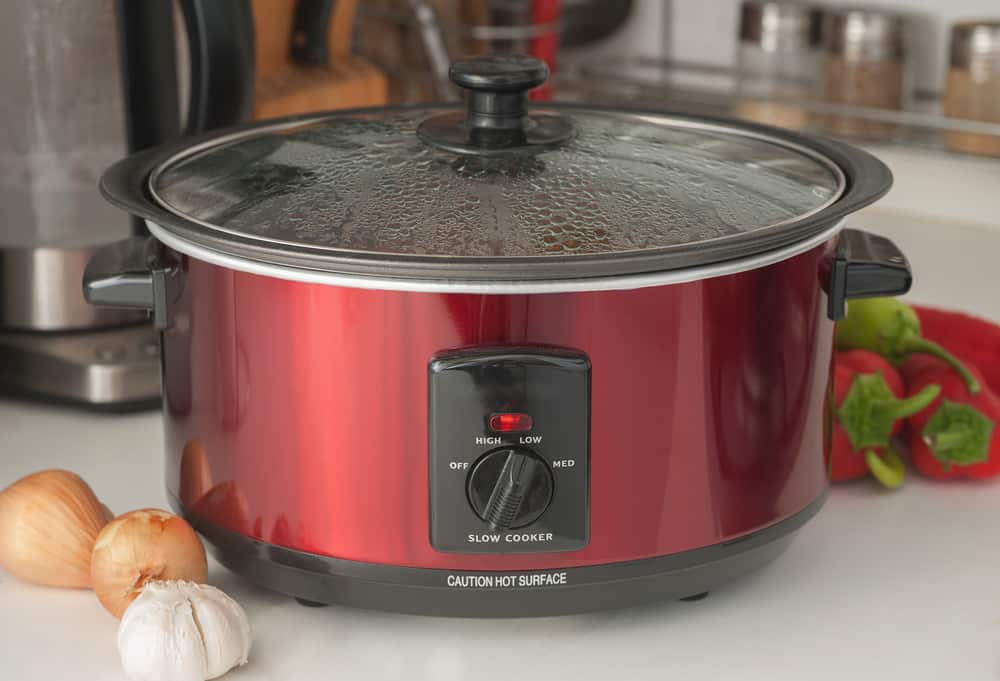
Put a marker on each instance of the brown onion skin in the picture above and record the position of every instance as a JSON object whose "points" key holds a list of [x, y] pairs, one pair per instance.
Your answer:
{"points": [[139, 547], [49, 522]]}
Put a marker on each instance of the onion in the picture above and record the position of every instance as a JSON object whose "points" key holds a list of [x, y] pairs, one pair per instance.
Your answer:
{"points": [[139, 547], [48, 524]]}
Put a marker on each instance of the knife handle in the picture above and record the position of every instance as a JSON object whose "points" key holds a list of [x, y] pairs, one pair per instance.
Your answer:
{"points": [[310, 31]]}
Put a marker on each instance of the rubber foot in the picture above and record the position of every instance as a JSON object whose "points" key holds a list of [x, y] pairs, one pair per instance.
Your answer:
{"points": [[310, 604], [695, 597]]}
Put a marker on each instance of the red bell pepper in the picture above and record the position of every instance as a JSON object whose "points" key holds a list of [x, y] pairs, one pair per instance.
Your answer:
{"points": [[956, 436], [868, 392]]}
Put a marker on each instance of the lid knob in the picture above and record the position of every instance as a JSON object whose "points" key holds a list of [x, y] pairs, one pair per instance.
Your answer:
{"points": [[496, 120], [499, 73], [498, 89]]}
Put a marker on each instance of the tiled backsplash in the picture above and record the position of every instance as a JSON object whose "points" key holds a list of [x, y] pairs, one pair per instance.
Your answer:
{"points": [[705, 30]]}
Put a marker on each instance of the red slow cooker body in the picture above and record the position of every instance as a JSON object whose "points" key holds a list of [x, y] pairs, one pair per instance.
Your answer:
{"points": [[348, 300], [297, 413]]}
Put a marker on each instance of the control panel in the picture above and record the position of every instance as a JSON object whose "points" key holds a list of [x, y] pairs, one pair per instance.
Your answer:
{"points": [[509, 451]]}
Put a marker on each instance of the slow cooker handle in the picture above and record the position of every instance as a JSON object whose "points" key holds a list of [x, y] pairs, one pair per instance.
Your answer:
{"points": [[134, 273], [865, 266]]}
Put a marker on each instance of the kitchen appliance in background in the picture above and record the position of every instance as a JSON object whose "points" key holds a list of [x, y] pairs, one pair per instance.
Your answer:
{"points": [[585, 22], [83, 82], [497, 359]]}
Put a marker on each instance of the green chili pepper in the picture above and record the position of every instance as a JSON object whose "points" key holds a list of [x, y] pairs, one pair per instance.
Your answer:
{"points": [[891, 328], [888, 469]]}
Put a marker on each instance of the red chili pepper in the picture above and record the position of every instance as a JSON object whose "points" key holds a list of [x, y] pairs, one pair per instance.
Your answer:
{"points": [[975, 340], [892, 328], [955, 437], [868, 392]]}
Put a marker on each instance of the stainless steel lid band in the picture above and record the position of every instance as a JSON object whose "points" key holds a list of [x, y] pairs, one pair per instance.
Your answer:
{"points": [[498, 287]]}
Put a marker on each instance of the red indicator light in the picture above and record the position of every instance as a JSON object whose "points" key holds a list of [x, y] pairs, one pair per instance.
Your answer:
{"points": [[510, 423]]}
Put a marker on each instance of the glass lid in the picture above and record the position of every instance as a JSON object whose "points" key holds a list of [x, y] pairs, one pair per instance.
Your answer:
{"points": [[624, 182], [495, 189]]}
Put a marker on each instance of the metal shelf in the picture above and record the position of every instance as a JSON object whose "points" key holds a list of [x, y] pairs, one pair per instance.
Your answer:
{"points": [[713, 90]]}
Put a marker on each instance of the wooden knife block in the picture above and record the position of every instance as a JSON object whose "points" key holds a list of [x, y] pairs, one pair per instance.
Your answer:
{"points": [[284, 87]]}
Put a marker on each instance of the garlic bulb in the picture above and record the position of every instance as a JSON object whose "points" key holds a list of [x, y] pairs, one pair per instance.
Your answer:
{"points": [[179, 631], [48, 524], [140, 547]]}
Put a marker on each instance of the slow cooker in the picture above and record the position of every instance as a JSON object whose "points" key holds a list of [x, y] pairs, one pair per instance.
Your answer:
{"points": [[499, 359]]}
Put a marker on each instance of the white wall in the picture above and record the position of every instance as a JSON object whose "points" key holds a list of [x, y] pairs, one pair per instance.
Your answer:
{"points": [[705, 30]]}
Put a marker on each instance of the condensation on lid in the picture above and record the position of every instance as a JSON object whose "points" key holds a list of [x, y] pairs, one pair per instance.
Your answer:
{"points": [[364, 182]]}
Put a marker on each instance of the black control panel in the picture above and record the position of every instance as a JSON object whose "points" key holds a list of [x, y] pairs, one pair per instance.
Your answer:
{"points": [[509, 451]]}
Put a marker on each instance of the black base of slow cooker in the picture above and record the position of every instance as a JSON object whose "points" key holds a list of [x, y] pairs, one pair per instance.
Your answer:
{"points": [[458, 593]]}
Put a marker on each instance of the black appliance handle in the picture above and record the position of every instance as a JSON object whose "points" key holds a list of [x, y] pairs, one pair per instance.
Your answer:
{"points": [[148, 59], [221, 44], [221, 41], [865, 266], [310, 32], [134, 273], [149, 72]]}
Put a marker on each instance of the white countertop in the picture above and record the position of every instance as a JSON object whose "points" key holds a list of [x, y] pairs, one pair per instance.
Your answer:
{"points": [[879, 585]]}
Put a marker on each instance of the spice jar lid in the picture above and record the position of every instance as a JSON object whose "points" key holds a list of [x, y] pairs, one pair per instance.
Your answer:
{"points": [[495, 192], [781, 25], [866, 33], [975, 42]]}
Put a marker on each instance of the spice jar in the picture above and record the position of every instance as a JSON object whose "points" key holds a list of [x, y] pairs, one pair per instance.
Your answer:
{"points": [[973, 87], [864, 66], [778, 60]]}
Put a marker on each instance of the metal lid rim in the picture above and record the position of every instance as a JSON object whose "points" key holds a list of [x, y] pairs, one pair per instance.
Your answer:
{"points": [[867, 179]]}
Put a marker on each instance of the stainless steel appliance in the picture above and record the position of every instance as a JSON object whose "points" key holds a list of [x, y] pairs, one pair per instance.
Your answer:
{"points": [[84, 82]]}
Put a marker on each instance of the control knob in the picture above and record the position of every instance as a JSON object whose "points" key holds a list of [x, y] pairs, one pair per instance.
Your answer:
{"points": [[510, 487]]}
